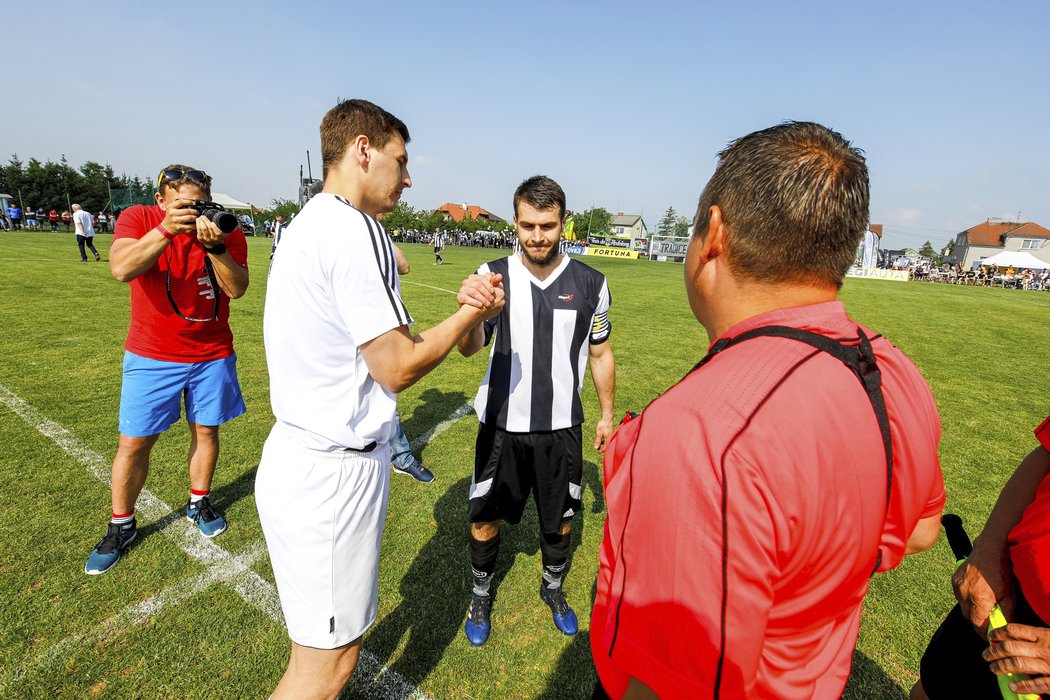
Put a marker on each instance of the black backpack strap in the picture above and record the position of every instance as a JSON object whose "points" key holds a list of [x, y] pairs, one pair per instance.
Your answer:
{"points": [[859, 358]]}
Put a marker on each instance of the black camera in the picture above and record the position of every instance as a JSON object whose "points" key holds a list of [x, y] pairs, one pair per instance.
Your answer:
{"points": [[215, 213]]}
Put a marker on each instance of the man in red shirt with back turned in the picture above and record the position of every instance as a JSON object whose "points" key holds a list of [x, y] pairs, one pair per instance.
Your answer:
{"points": [[183, 270], [749, 504]]}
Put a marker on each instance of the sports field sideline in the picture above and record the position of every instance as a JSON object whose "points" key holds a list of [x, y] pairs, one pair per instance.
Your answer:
{"points": [[181, 616]]}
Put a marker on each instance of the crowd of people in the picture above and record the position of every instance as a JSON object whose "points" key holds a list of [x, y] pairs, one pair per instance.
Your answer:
{"points": [[747, 506], [479, 239], [983, 276], [14, 218]]}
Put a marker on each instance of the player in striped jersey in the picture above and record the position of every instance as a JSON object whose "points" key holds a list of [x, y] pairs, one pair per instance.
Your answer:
{"points": [[556, 316]]}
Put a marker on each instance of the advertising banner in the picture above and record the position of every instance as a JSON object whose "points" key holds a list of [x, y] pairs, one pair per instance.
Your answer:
{"points": [[878, 273], [609, 242], [674, 247], [573, 249], [612, 252]]}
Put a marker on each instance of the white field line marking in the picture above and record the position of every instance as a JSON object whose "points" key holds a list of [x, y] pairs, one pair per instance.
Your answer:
{"points": [[444, 425], [428, 286], [371, 678], [136, 614]]}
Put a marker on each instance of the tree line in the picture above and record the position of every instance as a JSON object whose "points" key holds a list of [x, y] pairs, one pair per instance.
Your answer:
{"points": [[50, 185], [405, 218], [95, 186]]}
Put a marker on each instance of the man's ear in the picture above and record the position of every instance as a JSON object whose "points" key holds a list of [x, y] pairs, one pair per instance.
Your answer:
{"points": [[360, 149], [714, 241]]}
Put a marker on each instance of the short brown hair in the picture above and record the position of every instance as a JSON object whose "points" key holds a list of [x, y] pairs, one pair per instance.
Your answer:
{"points": [[540, 192], [794, 199], [164, 183], [350, 119]]}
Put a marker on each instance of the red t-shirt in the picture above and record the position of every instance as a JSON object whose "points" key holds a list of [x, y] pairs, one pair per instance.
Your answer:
{"points": [[1030, 542], [777, 445], [156, 330]]}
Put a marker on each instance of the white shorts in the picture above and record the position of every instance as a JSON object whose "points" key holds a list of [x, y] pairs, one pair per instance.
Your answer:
{"points": [[322, 514]]}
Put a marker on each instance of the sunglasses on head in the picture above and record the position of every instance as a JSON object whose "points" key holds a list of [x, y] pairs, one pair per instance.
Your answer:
{"points": [[172, 174]]}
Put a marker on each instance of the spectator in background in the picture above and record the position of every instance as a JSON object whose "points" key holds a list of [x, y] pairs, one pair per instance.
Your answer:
{"points": [[52, 217], [85, 233], [14, 212], [402, 461], [67, 219], [30, 219], [276, 232], [102, 222]]}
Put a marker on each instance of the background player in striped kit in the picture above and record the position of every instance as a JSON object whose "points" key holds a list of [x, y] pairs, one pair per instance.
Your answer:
{"points": [[556, 317]]}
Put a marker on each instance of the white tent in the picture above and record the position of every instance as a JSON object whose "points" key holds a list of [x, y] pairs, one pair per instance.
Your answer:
{"points": [[1016, 260], [234, 205], [229, 202]]}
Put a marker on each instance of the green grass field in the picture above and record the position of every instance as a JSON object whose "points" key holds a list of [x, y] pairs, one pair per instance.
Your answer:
{"points": [[166, 624]]}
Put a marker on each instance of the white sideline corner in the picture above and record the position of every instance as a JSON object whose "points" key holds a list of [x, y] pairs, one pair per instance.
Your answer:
{"points": [[371, 678]]}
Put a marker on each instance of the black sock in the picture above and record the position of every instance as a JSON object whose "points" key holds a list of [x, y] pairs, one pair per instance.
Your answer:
{"points": [[483, 555], [555, 551]]}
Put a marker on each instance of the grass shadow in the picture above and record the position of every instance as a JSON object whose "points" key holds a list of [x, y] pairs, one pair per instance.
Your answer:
{"points": [[868, 680], [435, 406], [436, 589], [435, 592]]}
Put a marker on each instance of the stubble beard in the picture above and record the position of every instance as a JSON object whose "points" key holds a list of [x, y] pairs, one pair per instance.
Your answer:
{"points": [[543, 261]]}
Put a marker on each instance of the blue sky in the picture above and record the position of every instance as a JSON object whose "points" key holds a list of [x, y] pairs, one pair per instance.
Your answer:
{"points": [[625, 104]]}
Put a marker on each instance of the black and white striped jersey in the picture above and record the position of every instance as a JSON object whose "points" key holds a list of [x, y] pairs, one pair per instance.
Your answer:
{"points": [[542, 338]]}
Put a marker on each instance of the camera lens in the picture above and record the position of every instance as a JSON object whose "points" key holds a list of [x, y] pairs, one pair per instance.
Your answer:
{"points": [[226, 221]]}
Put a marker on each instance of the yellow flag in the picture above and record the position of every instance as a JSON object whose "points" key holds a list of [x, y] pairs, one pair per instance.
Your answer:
{"points": [[567, 233]]}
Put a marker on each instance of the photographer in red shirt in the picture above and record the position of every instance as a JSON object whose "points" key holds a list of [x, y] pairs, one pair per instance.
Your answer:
{"points": [[183, 270]]}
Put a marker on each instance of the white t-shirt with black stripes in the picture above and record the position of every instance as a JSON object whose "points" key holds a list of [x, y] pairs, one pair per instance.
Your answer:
{"points": [[542, 341], [333, 288]]}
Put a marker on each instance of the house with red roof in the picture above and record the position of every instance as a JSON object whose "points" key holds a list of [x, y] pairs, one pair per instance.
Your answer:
{"points": [[996, 236], [457, 212]]}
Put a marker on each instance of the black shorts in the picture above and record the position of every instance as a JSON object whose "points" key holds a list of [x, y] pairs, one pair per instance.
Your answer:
{"points": [[952, 666], [508, 466]]}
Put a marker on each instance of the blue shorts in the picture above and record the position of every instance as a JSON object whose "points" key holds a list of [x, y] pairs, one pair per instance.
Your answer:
{"points": [[152, 393]]}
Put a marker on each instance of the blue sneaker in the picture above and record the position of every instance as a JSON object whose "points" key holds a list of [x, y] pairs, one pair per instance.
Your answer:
{"points": [[478, 625], [564, 616], [107, 552], [209, 520], [417, 471]]}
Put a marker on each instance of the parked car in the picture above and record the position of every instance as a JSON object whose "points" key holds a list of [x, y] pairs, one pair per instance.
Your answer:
{"points": [[247, 225]]}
